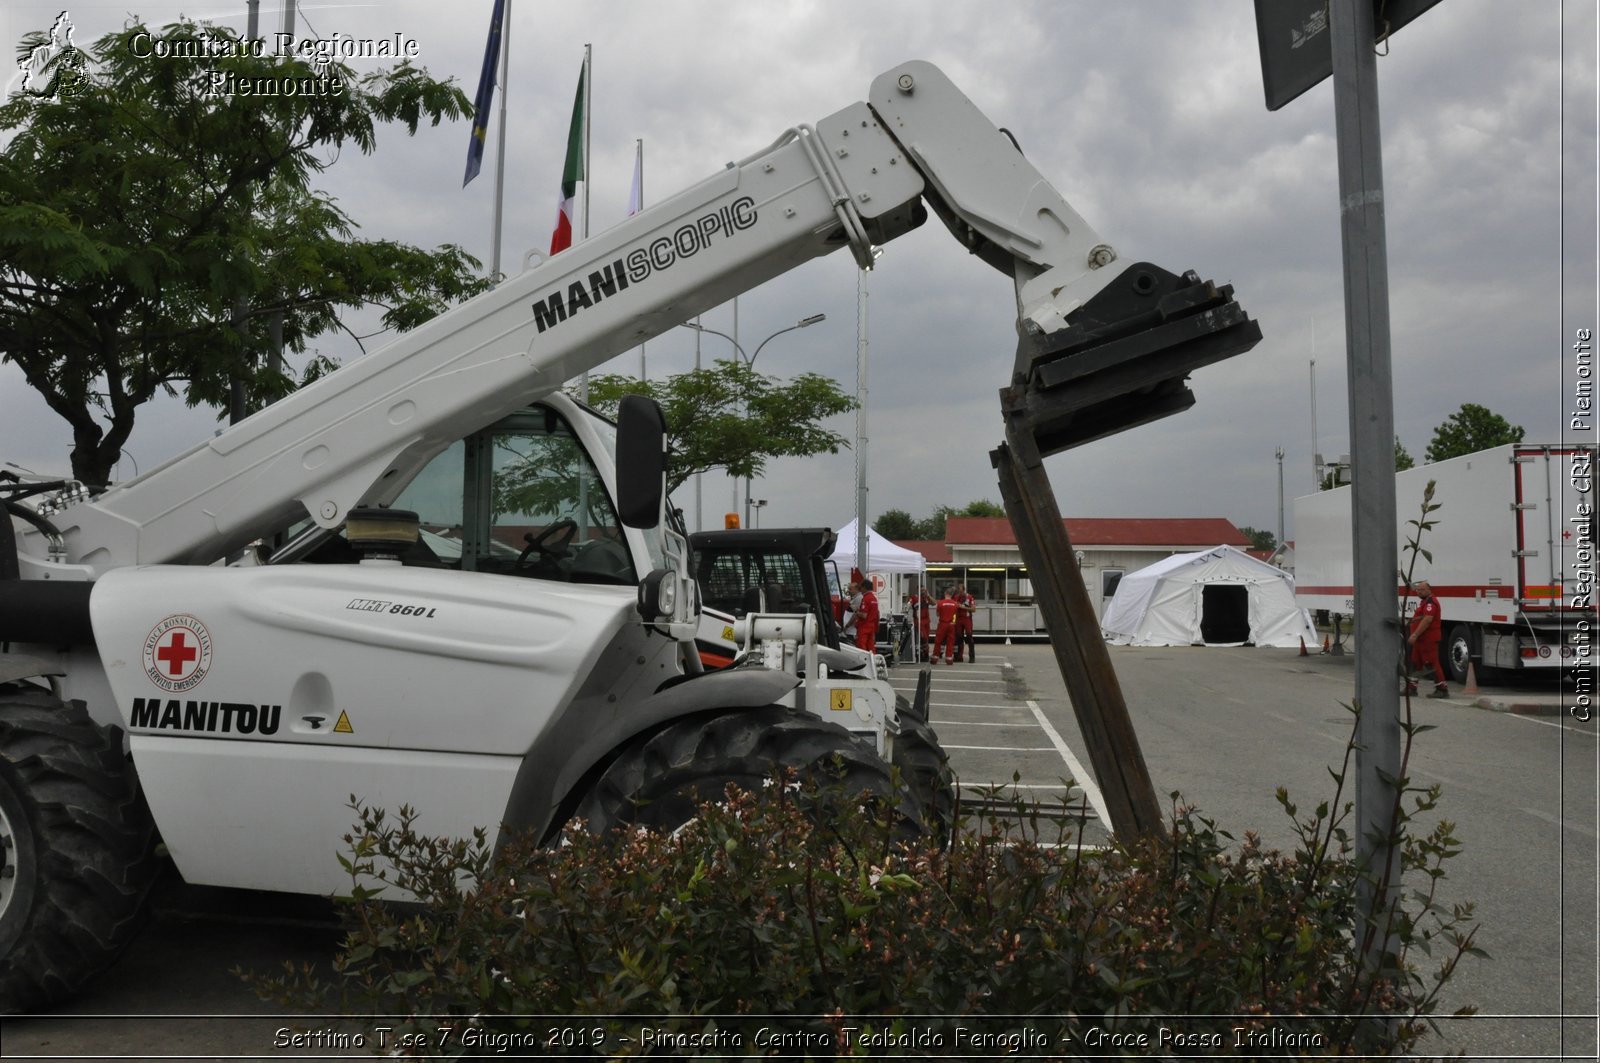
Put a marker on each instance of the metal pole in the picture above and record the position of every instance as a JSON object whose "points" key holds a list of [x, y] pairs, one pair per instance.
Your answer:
{"points": [[500, 149], [1366, 288], [699, 500], [862, 558], [740, 350], [588, 94], [588, 97], [1279, 453], [1316, 455], [636, 204]]}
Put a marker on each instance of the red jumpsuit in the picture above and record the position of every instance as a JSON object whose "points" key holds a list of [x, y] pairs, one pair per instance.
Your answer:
{"points": [[1425, 650], [867, 622], [965, 606], [944, 643], [919, 604]]}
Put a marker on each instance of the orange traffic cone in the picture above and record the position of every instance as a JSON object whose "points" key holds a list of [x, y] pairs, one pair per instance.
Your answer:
{"points": [[1303, 652], [1471, 686], [1324, 644]]}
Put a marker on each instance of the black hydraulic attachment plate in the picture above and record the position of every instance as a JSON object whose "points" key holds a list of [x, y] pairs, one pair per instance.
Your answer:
{"points": [[1124, 356]]}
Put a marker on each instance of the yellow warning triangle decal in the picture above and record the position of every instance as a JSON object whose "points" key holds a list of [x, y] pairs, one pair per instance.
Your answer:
{"points": [[343, 726]]}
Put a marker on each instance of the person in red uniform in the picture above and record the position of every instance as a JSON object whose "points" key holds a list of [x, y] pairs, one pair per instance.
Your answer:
{"points": [[944, 643], [867, 618], [966, 607], [1422, 641], [919, 604]]}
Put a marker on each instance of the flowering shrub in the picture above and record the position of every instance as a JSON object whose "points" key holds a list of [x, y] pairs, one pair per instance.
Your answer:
{"points": [[761, 920]]}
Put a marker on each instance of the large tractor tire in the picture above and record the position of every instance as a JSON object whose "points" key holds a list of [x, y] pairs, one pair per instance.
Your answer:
{"points": [[660, 780], [925, 768], [77, 848]]}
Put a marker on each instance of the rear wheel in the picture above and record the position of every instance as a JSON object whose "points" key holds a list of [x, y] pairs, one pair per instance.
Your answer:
{"points": [[659, 781], [925, 768], [1455, 652], [77, 846]]}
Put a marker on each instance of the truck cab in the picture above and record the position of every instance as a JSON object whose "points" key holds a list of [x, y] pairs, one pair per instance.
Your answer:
{"points": [[745, 571]]}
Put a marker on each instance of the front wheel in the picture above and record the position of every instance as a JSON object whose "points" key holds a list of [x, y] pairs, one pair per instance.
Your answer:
{"points": [[659, 781], [925, 768], [77, 855]]}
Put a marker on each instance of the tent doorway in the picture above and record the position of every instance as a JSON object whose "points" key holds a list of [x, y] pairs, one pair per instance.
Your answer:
{"points": [[1224, 613]]}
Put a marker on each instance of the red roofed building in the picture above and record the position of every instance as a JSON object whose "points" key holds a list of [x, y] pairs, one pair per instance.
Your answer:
{"points": [[982, 552]]}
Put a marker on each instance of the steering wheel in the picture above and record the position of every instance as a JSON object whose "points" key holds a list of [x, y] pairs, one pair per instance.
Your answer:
{"points": [[552, 542]]}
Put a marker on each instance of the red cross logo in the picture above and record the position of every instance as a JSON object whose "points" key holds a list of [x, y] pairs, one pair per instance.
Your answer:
{"points": [[177, 653]]}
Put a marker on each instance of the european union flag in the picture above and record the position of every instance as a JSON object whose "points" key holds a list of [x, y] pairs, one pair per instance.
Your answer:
{"points": [[480, 117]]}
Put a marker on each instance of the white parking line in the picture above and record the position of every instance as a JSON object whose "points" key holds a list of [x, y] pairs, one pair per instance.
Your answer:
{"points": [[981, 723], [1004, 749], [963, 705], [965, 665], [1081, 777], [1559, 726], [1559, 822]]}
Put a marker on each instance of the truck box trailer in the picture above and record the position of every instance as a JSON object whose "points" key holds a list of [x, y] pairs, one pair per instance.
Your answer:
{"points": [[1512, 554]]}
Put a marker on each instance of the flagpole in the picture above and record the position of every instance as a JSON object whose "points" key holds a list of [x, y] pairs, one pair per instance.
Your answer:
{"points": [[635, 204], [699, 500], [738, 354], [588, 99], [583, 233], [500, 150]]}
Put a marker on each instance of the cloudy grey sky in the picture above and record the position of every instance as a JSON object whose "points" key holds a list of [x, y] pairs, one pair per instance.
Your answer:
{"points": [[1147, 115]]}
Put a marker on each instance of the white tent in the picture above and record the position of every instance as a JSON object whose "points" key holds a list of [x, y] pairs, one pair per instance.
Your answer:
{"points": [[882, 555], [1218, 597]]}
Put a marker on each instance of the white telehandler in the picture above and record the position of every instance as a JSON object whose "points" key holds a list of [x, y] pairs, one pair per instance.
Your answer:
{"points": [[482, 605]]}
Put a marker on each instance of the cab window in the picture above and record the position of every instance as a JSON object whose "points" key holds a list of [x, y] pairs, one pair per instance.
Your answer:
{"points": [[543, 510]]}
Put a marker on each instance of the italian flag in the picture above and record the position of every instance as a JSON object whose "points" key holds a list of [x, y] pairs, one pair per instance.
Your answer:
{"points": [[571, 173]]}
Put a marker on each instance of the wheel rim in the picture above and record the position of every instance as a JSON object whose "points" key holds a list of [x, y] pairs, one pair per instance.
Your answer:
{"points": [[1460, 654], [8, 861]]}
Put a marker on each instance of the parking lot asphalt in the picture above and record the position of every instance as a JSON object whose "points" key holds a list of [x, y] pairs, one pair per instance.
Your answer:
{"points": [[1225, 728]]}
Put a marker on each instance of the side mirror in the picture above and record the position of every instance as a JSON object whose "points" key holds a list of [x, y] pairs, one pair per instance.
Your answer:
{"points": [[641, 461]]}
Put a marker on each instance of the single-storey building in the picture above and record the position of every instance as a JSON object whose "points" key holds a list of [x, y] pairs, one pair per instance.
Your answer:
{"points": [[982, 553]]}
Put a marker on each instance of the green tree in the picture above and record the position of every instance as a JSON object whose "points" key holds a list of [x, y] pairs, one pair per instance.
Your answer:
{"points": [[1469, 430], [1260, 538], [982, 508], [897, 524], [151, 226], [732, 418], [1402, 457], [933, 525]]}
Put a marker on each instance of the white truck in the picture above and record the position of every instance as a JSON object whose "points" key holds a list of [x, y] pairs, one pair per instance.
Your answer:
{"points": [[483, 608], [1510, 554]]}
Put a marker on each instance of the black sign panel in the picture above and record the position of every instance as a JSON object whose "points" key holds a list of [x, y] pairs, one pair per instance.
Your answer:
{"points": [[1293, 38]]}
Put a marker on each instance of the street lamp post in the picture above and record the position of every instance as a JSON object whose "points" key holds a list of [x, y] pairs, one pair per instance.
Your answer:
{"points": [[757, 503], [750, 361], [1279, 454]]}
